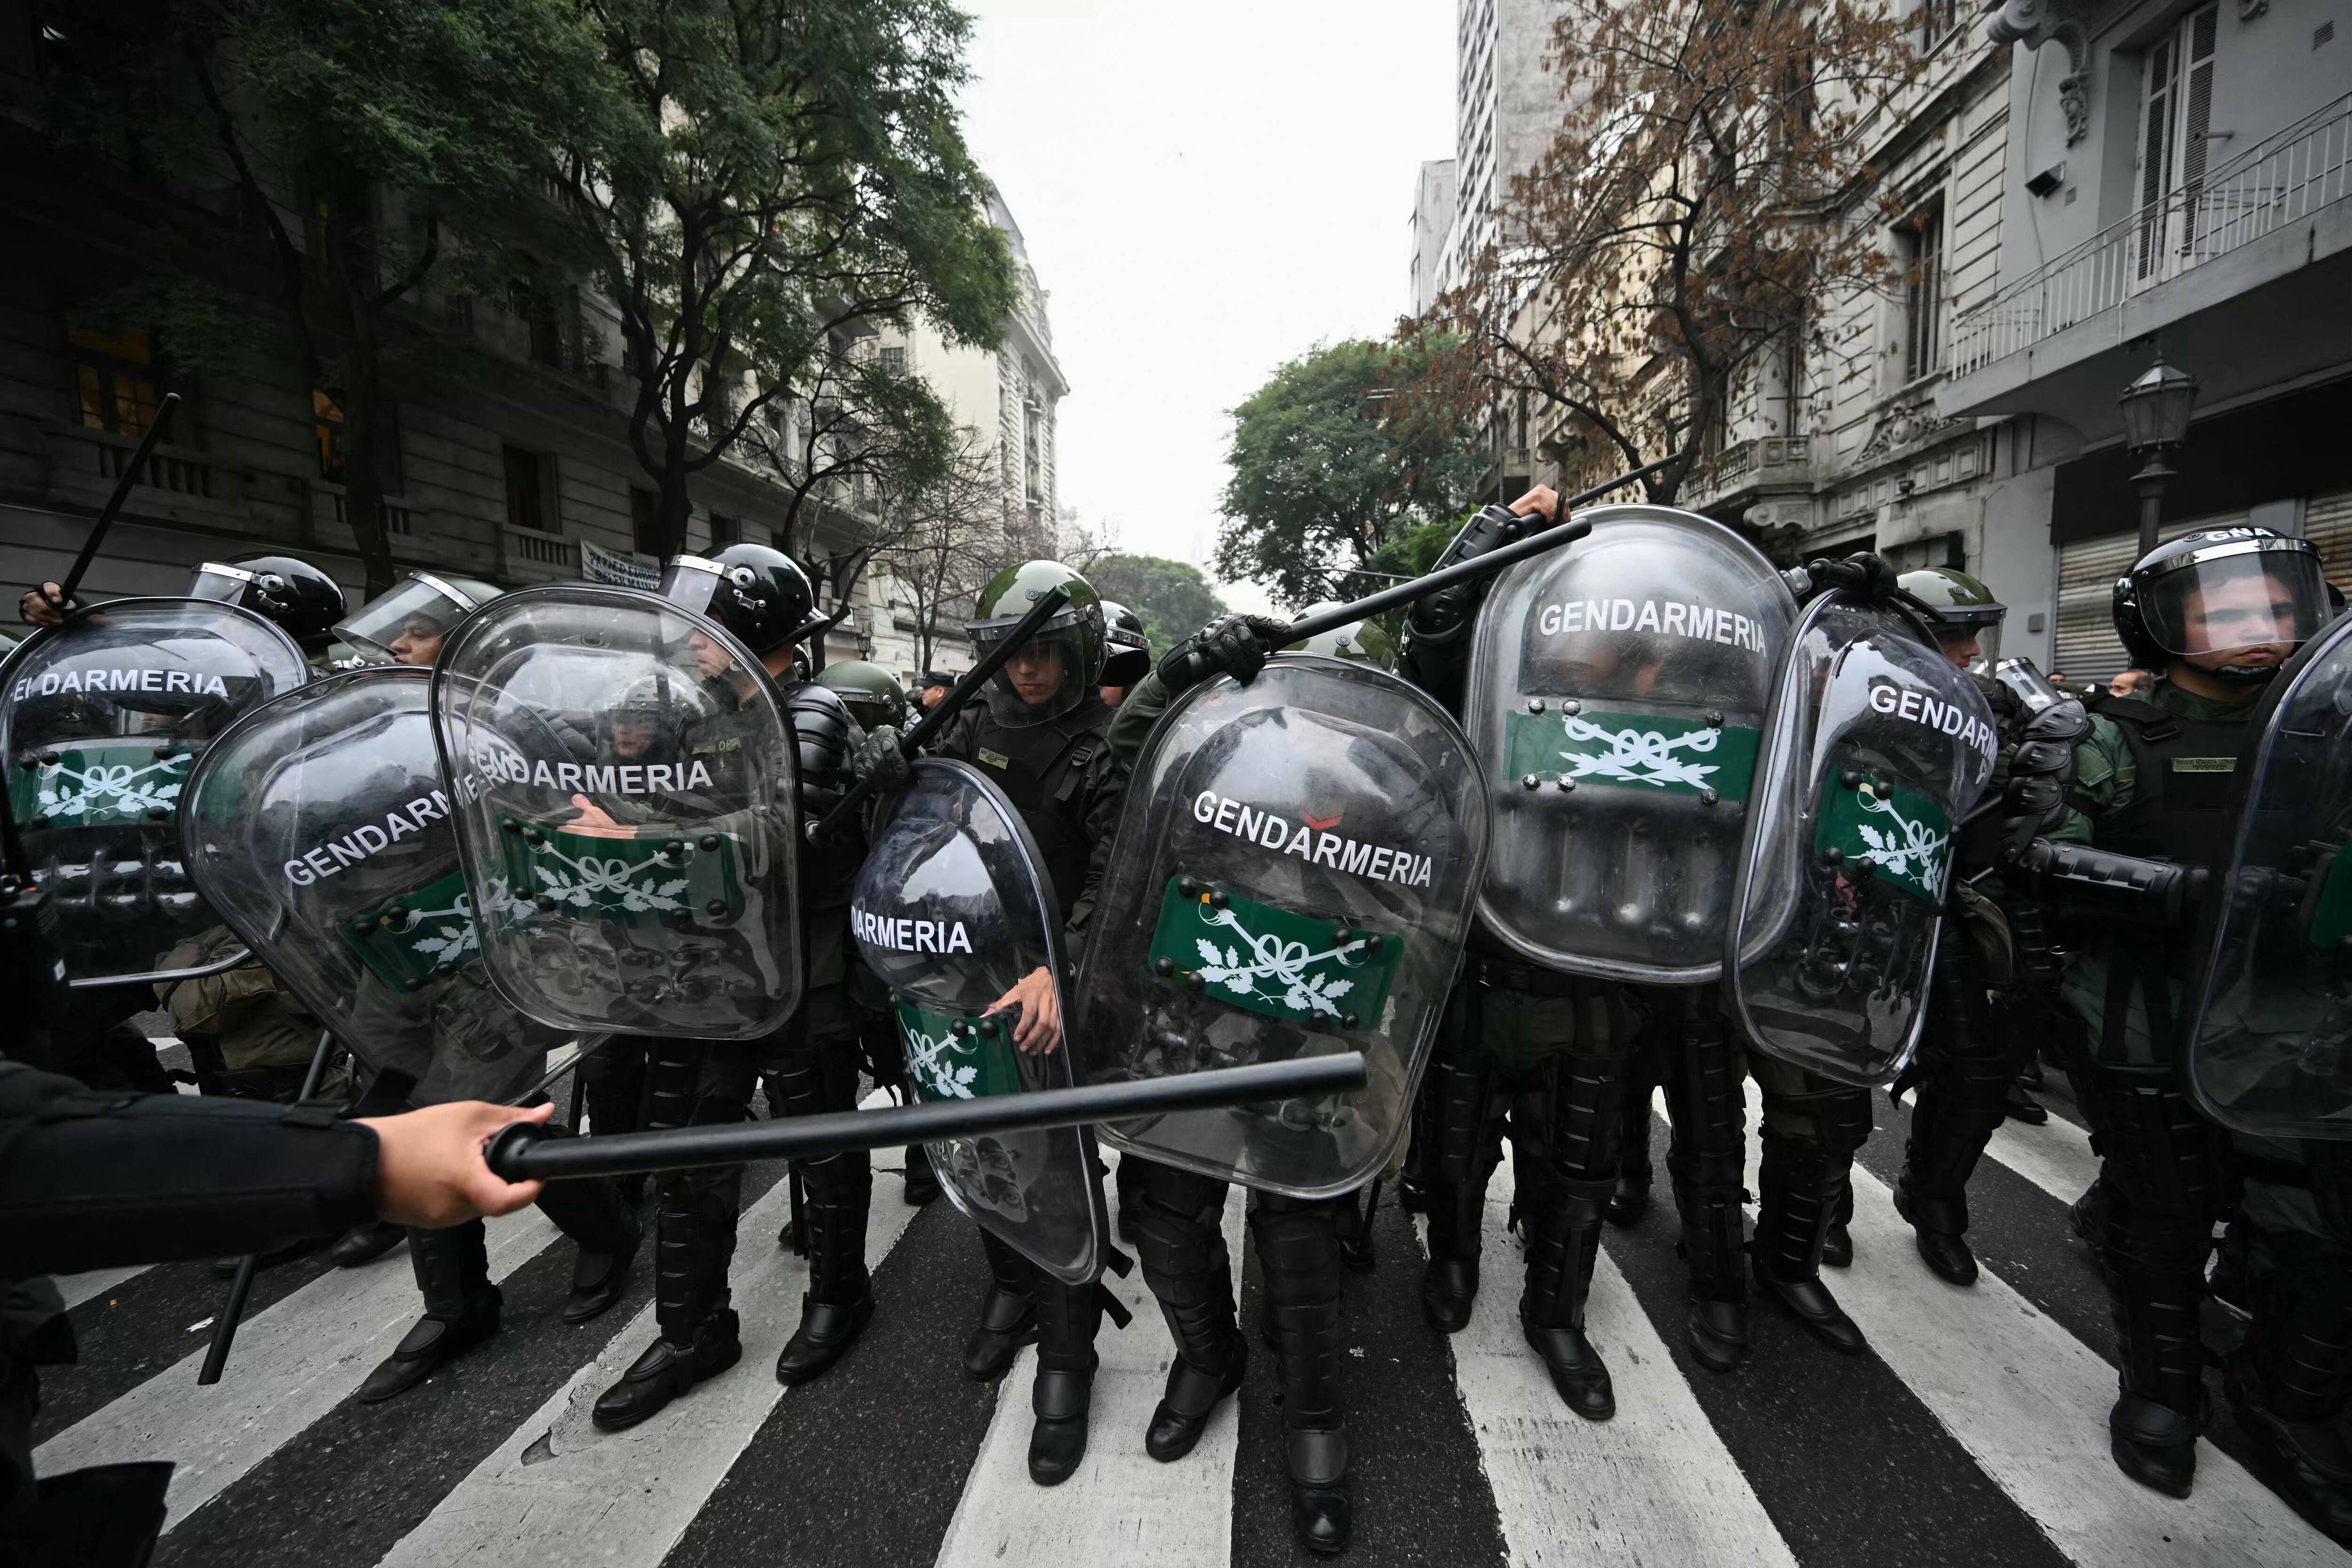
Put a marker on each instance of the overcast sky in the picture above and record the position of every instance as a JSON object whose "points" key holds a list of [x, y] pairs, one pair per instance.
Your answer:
{"points": [[1207, 188]]}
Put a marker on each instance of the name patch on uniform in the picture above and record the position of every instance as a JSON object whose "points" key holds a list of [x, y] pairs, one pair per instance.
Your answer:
{"points": [[900, 933], [995, 759], [2204, 764], [1944, 717], [366, 839], [55, 682], [1703, 623], [1308, 841]]}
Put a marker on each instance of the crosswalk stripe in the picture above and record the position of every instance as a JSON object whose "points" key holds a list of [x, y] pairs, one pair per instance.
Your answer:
{"points": [[292, 1363], [1653, 1485], [78, 1288], [2029, 1402], [558, 1491], [2055, 1156], [1122, 1505]]}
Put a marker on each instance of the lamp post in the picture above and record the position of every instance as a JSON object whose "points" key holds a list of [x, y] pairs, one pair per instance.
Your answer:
{"points": [[2155, 410]]}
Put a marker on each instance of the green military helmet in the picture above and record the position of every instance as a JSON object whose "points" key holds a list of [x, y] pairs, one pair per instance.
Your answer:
{"points": [[1026, 692], [1364, 641], [871, 694], [1967, 617]]}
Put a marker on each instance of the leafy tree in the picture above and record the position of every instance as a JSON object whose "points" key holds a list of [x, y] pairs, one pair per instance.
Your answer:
{"points": [[949, 542], [1696, 197], [1173, 597], [783, 170], [1331, 466]]}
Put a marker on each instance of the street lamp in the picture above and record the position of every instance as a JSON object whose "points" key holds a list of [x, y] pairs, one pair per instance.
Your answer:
{"points": [[2156, 411]]}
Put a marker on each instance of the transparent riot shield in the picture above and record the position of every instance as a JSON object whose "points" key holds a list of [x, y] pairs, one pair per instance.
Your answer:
{"points": [[951, 909], [624, 791], [1618, 689], [1876, 749], [2270, 1039], [319, 829], [1291, 876], [100, 722]]}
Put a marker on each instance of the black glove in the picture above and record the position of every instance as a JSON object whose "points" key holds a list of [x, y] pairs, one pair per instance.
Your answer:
{"points": [[879, 761], [1237, 645], [1862, 572]]}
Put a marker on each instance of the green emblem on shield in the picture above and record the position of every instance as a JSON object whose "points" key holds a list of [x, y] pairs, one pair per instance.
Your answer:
{"points": [[956, 1058], [417, 937], [2331, 916], [99, 783], [1675, 756], [1270, 961], [644, 878], [1905, 836]]}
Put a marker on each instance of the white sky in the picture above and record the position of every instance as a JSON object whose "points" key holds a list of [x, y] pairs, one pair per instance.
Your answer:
{"points": [[1207, 188]]}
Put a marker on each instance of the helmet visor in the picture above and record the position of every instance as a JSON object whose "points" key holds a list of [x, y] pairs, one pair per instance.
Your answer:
{"points": [[228, 585], [2256, 597], [691, 583], [1046, 676], [1970, 637], [407, 624]]}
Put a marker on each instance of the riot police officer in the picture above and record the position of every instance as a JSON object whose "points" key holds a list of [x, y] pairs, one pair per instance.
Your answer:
{"points": [[299, 598], [1995, 975], [809, 1066], [406, 624], [1039, 735], [1126, 656], [2216, 613]]}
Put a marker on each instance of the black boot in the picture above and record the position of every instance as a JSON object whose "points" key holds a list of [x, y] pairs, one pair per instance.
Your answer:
{"points": [[1128, 1179], [1465, 1119], [364, 1244], [1563, 1238], [1354, 1216], [1298, 1255], [1801, 1182], [694, 1243], [839, 1302], [1704, 1159], [1067, 1317], [2287, 1385], [2023, 1107], [1629, 1195], [1008, 1313], [591, 1214], [1946, 1252], [1952, 1118], [922, 1186], [1177, 1222], [461, 1309]]}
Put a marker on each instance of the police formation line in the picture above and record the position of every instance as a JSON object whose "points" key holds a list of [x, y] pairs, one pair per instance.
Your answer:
{"points": [[1640, 811]]}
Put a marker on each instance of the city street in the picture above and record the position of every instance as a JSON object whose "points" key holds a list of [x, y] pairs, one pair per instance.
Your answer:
{"points": [[1975, 1432]]}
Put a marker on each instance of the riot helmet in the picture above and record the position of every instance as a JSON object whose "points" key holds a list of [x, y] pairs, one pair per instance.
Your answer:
{"points": [[2234, 602], [759, 594], [1127, 657], [871, 694], [1061, 665], [1967, 617], [406, 624], [1363, 641], [303, 601]]}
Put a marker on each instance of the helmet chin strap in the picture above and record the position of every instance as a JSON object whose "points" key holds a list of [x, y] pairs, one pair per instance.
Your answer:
{"points": [[2243, 674]]}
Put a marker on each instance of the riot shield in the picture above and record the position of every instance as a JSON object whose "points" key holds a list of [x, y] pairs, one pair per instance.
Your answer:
{"points": [[1876, 749], [1617, 697], [318, 828], [2270, 1036], [951, 908], [626, 814], [1291, 876], [100, 722]]}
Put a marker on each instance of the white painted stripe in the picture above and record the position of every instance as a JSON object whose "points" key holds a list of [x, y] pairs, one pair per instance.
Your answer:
{"points": [[1653, 1486], [2029, 1402], [291, 1364], [625, 1498], [1122, 1505], [79, 1287], [2055, 1156]]}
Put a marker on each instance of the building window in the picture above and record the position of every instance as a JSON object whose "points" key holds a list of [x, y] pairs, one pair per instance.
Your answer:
{"points": [[1937, 20], [894, 360], [641, 520], [725, 531], [526, 489], [2176, 112], [1922, 236], [114, 379], [327, 431]]}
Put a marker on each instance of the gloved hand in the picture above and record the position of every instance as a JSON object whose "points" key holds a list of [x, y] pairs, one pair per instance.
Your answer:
{"points": [[878, 762], [1862, 572], [45, 606], [1237, 645]]}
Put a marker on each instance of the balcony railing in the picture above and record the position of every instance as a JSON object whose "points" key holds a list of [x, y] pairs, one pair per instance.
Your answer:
{"points": [[2278, 181]]}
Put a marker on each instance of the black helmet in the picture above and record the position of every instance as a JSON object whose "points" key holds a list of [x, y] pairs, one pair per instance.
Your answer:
{"points": [[1127, 657], [303, 601], [871, 694], [1074, 632], [760, 594], [1965, 609], [2222, 591]]}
